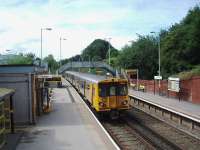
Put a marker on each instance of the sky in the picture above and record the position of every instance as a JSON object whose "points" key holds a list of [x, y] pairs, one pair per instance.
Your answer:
{"points": [[82, 21]]}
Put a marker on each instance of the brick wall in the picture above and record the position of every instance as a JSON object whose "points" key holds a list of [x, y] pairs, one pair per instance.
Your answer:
{"points": [[195, 87]]}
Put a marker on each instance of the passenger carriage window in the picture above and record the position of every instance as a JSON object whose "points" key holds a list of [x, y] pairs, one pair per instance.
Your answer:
{"points": [[122, 90], [102, 91], [112, 91]]}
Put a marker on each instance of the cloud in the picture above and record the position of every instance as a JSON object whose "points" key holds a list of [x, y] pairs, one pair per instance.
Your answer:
{"points": [[19, 3], [82, 21]]}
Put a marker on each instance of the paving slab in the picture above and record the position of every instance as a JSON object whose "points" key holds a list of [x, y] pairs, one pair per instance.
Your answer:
{"points": [[68, 126], [184, 107], [12, 140]]}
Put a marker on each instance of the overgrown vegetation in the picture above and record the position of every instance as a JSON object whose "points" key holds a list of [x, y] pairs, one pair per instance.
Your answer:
{"points": [[188, 74], [22, 59], [141, 55], [52, 64], [30, 59], [181, 45]]}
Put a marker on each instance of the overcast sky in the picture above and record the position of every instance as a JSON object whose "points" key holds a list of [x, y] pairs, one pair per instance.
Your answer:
{"points": [[82, 21]]}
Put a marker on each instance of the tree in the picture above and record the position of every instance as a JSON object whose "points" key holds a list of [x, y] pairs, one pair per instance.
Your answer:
{"points": [[98, 51], [22, 59], [180, 49], [141, 55], [52, 64]]}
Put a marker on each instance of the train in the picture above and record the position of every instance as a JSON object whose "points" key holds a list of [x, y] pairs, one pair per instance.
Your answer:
{"points": [[105, 94]]}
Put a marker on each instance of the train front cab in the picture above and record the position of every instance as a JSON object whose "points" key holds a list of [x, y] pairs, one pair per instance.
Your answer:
{"points": [[112, 95]]}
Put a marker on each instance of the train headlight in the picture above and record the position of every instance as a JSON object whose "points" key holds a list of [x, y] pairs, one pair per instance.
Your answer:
{"points": [[125, 102], [103, 99], [102, 104]]}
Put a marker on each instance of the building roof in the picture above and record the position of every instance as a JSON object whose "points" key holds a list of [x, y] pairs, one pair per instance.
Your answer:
{"points": [[21, 69]]}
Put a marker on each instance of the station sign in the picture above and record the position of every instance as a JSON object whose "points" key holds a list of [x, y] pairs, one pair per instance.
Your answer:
{"points": [[157, 77], [174, 84]]}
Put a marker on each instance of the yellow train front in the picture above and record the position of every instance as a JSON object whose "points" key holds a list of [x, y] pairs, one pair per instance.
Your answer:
{"points": [[104, 94]]}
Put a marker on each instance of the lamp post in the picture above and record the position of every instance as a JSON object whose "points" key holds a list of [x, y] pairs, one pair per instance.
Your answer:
{"points": [[49, 29], [137, 70], [159, 73], [61, 48]]}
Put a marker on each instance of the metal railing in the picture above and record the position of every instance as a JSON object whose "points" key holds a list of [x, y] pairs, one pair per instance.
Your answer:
{"points": [[86, 64]]}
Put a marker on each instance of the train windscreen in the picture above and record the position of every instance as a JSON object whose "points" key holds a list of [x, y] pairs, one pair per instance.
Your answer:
{"points": [[113, 90]]}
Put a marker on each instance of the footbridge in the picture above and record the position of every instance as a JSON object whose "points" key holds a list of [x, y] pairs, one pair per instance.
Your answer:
{"points": [[86, 64]]}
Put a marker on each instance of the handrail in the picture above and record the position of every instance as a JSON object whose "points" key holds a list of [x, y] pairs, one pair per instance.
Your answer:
{"points": [[86, 64]]}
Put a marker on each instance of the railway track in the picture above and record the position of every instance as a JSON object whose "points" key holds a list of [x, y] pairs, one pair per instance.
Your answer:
{"points": [[126, 137], [131, 135], [137, 130], [153, 127]]}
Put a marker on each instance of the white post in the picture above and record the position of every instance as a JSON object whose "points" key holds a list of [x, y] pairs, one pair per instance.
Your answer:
{"points": [[159, 57], [137, 78], [41, 47], [60, 51], [109, 49], [159, 64], [41, 41]]}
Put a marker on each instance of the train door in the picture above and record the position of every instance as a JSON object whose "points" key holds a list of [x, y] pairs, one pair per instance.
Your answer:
{"points": [[93, 94], [112, 96], [90, 93]]}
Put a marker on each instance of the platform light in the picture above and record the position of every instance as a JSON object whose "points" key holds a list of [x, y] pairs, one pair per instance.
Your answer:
{"points": [[48, 29]]}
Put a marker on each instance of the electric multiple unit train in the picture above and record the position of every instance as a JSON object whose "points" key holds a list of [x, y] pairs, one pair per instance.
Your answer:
{"points": [[104, 94]]}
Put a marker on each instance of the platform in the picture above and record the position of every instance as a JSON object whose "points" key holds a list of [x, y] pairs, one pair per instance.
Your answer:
{"points": [[183, 107], [69, 126]]}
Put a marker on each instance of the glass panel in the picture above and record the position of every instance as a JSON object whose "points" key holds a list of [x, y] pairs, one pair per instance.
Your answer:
{"points": [[122, 90], [102, 91], [112, 91]]}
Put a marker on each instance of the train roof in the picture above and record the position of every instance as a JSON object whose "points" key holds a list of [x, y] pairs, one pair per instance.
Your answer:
{"points": [[86, 76], [94, 78]]}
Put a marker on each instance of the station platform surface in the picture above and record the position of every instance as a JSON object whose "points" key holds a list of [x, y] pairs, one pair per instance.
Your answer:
{"points": [[70, 125], [183, 107]]}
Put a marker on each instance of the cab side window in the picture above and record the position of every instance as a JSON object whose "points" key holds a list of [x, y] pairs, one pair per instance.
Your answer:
{"points": [[102, 91], [112, 91]]}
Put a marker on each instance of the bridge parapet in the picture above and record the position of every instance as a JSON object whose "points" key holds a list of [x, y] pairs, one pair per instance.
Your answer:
{"points": [[86, 64]]}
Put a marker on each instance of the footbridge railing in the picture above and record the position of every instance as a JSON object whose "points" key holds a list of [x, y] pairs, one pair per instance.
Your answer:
{"points": [[86, 64]]}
